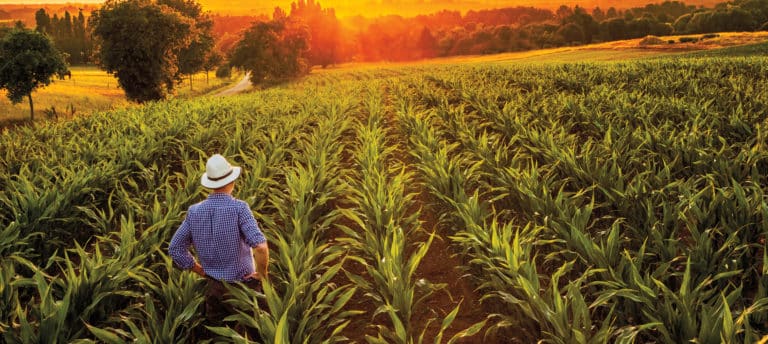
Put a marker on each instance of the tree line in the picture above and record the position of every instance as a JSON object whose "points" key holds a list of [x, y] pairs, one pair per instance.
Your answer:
{"points": [[448, 33], [69, 33]]}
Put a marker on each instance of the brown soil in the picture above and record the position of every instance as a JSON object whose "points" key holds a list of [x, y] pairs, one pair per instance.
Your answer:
{"points": [[441, 266], [358, 326]]}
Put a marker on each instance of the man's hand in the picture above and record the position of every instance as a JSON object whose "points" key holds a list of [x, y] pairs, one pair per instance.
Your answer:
{"points": [[198, 269], [256, 275]]}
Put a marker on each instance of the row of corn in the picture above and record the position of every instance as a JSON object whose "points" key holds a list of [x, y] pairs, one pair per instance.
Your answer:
{"points": [[599, 206], [591, 202]]}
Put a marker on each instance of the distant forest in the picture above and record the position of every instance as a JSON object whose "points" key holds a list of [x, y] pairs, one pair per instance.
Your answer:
{"points": [[448, 33], [521, 28]]}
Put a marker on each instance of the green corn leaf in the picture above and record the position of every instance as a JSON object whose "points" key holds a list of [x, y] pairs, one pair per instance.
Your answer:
{"points": [[104, 335]]}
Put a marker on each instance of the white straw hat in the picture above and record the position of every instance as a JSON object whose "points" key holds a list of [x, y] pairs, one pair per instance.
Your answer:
{"points": [[218, 172]]}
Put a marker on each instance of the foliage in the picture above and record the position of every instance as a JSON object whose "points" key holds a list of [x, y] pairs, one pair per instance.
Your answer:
{"points": [[139, 41], [224, 71], [70, 34], [192, 57], [324, 32], [213, 60], [272, 51], [29, 61]]}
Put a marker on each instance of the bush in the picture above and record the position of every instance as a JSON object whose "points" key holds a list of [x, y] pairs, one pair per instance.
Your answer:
{"points": [[671, 41], [688, 39], [224, 71], [651, 40], [710, 35]]}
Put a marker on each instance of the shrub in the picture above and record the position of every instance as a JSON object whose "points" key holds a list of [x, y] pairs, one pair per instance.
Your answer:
{"points": [[651, 40], [224, 71], [710, 35], [688, 39]]}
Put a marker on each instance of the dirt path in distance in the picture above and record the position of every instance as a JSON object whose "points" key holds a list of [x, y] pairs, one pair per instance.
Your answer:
{"points": [[242, 85]]}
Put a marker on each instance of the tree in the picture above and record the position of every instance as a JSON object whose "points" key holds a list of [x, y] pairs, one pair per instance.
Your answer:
{"points": [[681, 24], [597, 14], [563, 12], [69, 34], [138, 41], [614, 29], [192, 57], [29, 61], [323, 27], [585, 22], [42, 21], [427, 43], [212, 60], [272, 51], [571, 33], [80, 39]]}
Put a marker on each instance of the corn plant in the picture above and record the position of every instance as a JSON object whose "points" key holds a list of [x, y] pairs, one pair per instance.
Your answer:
{"points": [[593, 202]]}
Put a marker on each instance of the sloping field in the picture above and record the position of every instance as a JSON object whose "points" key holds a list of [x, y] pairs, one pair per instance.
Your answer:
{"points": [[567, 203], [609, 51], [90, 90]]}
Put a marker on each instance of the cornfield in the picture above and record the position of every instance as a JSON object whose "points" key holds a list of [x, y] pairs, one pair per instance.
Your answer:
{"points": [[584, 203]]}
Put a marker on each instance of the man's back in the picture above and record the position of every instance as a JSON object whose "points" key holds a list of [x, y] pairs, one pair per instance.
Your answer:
{"points": [[222, 230]]}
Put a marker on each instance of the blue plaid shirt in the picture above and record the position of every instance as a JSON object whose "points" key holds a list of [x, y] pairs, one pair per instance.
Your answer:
{"points": [[223, 231]]}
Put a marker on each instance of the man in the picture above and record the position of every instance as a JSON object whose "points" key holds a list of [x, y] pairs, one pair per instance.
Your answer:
{"points": [[223, 231]]}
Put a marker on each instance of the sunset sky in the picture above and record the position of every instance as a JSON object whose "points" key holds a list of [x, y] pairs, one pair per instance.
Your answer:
{"points": [[345, 8]]}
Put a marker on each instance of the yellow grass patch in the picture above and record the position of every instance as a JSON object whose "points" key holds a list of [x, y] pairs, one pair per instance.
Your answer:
{"points": [[723, 40], [90, 90]]}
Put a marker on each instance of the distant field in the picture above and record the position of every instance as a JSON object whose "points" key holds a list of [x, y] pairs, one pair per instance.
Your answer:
{"points": [[91, 89], [608, 51]]}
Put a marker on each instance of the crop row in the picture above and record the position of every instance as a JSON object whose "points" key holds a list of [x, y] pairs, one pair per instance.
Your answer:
{"points": [[590, 202], [597, 206]]}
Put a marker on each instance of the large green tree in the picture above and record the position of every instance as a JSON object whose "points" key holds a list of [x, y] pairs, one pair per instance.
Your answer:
{"points": [[139, 41], [28, 60], [272, 51], [192, 57]]}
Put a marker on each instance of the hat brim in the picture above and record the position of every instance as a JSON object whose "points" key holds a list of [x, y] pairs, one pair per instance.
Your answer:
{"points": [[215, 184]]}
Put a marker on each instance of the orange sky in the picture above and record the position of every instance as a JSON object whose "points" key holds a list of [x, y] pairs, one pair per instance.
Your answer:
{"points": [[370, 8]]}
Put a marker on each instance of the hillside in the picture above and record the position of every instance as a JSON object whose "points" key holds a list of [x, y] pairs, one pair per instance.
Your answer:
{"points": [[723, 44], [564, 202]]}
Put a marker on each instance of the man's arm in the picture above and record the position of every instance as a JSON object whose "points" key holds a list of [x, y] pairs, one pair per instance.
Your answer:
{"points": [[255, 239], [179, 250]]}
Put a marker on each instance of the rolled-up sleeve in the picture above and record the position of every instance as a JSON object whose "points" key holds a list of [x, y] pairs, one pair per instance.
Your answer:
{"points": [[179, 247], [249, 227]]}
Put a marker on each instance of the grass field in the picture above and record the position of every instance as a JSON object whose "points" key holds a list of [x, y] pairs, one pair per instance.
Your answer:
{"points": [[90, 90], [473, 202]]}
